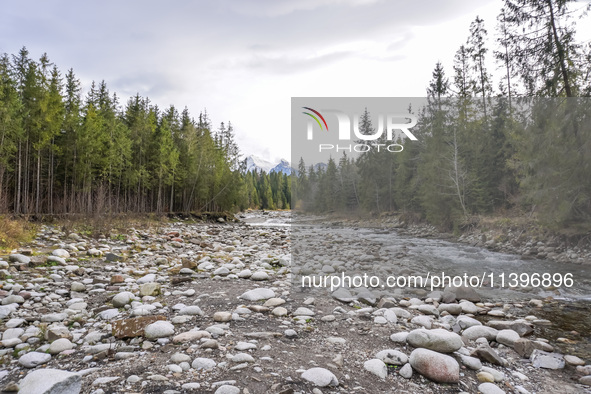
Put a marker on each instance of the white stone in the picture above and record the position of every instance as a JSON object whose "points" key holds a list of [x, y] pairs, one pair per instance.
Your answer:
{"points": [[320, 377], [122, 299], [377, 367], [258, 294], [490, 388], [201, 363], [33, 359], [159, 329], [392, 356], [51, 381], [60, 345]]}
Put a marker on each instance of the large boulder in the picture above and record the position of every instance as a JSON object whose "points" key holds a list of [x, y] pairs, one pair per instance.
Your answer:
{"points": [[475, 332], [51, 381], [439, 340], [435, 366], [321, 377]]}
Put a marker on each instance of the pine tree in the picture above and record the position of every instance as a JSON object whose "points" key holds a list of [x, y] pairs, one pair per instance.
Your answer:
{"points": [[542, 47], [477, 50]]}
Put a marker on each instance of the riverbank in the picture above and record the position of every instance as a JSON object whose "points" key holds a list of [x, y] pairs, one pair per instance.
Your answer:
{"points": [[207, 307], [517, 235]]}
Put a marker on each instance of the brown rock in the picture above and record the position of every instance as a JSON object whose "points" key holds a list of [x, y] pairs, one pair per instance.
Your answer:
{"points": [[524, 347], [486, 353], [133, 327], [175, 280], [387, 303], [191, 336], [258, 308], [56, 332], [117, 279], [189, 264]]}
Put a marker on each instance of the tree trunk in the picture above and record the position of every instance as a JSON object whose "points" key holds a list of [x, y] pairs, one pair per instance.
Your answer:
{"points": [[561, 54]]}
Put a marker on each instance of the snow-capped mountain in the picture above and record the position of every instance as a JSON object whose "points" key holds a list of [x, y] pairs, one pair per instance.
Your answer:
{"points": [[283, 167], [254, 162], [257, 163]]}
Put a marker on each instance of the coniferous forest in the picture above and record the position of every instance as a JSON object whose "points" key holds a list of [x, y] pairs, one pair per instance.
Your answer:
{"points": [[524, 145], [519, 139], [64, 152]]}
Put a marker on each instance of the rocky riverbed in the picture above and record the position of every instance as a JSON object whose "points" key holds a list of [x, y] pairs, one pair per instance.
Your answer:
{"points": [[210, 308]]}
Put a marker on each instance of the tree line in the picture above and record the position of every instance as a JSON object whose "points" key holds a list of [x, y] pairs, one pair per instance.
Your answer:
{"points": [[62, 152], [525, 144]]}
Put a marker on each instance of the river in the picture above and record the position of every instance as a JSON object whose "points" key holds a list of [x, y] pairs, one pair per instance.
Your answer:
{"points": [[322, 249]]}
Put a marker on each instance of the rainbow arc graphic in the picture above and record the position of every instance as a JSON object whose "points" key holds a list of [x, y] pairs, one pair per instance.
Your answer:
{"points": [[315, 118]]}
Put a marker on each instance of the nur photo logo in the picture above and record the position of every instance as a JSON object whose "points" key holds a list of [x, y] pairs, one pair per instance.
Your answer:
{"points": [[394, 127]]}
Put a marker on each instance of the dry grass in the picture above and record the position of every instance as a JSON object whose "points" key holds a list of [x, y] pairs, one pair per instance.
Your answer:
{"points": [[108, 226], [14, 232]]}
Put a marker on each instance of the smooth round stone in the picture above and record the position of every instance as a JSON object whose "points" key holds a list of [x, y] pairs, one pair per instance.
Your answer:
{"points": [[392, 356], [191, 386], [272, 302], [497, 375], [34, 359], [406, 371], [475, 332], [178, 358], [54, 317], [376, 367], [490, 388], [435, 366], [12, 333], [133, 379], [227, 389], [302, 311], [60, 345], [242, 358], [484, 377], [13, 323], [241, 346], [191, 310], [13, 299], [423, 320], [320, 377], [222, 271], [390, 316], [222, 317], [77, 286], [122, 299], [507, 337], [279, 311], [64, 254], [439, 340], [245, 274], [258, 294], [573, 360], [201, 363], [159, 329], [471, 362], [11, 342], [259, 275], [399, 337]]}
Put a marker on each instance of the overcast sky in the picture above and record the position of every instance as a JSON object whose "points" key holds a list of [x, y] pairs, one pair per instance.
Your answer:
{"points": [[244, 59]]}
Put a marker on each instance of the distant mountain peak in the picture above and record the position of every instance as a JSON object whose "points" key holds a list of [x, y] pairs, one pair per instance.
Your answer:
{"points": [[256, 163]]}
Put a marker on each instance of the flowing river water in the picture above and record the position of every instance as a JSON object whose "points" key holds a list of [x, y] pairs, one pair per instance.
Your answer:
{"points": [[320, 249]]}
